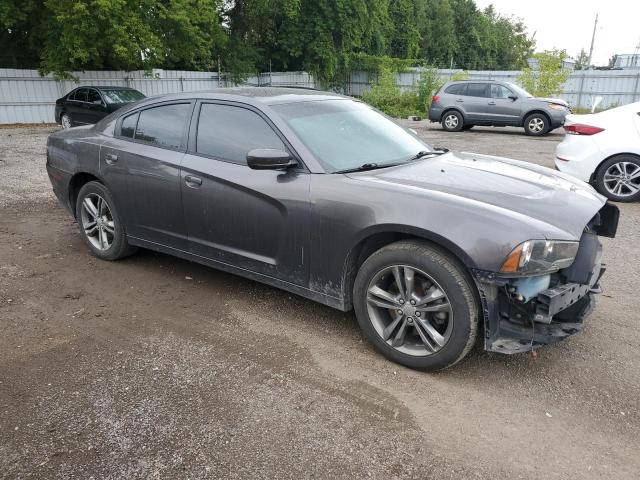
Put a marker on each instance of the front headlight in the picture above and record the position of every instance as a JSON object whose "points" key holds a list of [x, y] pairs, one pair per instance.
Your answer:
{"points": [[540, 256], [557, 106]]}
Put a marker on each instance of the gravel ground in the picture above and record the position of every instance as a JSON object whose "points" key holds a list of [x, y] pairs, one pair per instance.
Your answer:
{"points": [[154, 367]]}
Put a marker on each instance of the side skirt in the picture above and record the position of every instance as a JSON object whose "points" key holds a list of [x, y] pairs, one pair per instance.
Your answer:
{"points": [[328, 300]]}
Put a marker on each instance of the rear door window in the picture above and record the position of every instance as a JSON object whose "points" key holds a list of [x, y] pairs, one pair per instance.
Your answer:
{"points": [[81, 95], [477, 90], [229, 132], [163, 126]]}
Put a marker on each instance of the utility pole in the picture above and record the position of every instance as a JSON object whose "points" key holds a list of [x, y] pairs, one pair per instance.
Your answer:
{"points": [[593, 37]]}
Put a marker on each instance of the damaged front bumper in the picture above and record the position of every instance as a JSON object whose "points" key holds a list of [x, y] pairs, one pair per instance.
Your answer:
{"points": [[517, 320]]}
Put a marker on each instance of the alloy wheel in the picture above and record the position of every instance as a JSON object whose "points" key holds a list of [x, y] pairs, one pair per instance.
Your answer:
{"points": [[536, 125], [66, 121], [409, 310], [97, 221], [451, 121], [622, 179]]}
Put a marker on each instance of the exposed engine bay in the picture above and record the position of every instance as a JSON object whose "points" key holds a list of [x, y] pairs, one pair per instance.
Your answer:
{"points": [[522, 313]]}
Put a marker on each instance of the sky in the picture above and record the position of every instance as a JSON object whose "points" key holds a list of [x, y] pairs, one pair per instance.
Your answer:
{"points": [[569, 24]]}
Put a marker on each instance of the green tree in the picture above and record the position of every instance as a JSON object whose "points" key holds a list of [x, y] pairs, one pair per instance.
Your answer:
{"points": [[323, 37], [548, 77], [404, 35], [130, 34], [21, 27], [438, 39]]}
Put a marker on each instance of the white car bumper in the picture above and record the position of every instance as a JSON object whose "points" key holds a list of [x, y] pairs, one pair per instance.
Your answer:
{"points": [[579, 156]]}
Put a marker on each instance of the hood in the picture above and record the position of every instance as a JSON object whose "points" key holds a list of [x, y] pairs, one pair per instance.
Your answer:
{"points": [[536, 192], [558, 101]]}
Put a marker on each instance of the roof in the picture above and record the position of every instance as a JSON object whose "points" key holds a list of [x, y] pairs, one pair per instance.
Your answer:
{"points": [[104, 87], [264, 95], [477, 80]]}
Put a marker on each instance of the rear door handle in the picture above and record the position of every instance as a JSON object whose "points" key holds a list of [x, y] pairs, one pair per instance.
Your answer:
{"points": [[459, 100], [193, 182], [491, 103], [111, 158]]}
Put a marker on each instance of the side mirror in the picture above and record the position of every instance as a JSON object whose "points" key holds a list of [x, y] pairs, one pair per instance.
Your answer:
{"points": [[97, 102], [269, 159], [513, 97]]}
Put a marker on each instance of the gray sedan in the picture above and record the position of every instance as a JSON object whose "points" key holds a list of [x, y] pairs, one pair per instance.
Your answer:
{"points": [[324, 197]]}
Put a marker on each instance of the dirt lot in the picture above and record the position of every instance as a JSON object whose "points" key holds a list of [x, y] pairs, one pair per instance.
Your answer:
{"points": [[155, 367]]}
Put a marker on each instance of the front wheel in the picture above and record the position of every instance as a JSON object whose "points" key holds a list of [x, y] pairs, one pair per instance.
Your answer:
{"points": [[536, 125], [416, 305], [66, 121], [100, 224]]}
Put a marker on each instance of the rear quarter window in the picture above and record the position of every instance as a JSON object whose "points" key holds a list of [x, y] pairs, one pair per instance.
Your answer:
{"points": [[128, 127], [456, 89]]}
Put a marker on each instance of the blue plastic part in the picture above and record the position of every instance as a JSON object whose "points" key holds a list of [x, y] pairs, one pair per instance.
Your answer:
{"points": [[530, 287]]}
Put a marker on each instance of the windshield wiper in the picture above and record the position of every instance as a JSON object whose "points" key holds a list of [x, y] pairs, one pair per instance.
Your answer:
{"points": [[424, 153], [367, 166]]}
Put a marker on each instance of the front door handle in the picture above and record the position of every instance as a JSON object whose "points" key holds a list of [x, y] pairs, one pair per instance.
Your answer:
{"points": [[459, 100], [111, 158], [491, 103], [193, 182]]}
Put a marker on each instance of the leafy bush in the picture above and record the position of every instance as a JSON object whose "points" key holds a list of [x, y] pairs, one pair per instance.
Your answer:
{"points": [[428, 84], [387, 96]]}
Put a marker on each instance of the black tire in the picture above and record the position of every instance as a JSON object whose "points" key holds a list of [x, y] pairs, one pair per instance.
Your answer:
{"points": [[467, 127], [66, 123], [536, 125], [620, 165], [448, 275], [109, 222], [452, 121]]}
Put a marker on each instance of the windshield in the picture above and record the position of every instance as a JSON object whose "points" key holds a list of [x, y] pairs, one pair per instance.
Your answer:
{"points": [[122, 96], [521, 92], [344, 134]]}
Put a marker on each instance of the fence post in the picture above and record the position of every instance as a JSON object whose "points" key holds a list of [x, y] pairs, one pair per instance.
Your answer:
{"points": [[636, 90], [580, 89], [182, 84]]}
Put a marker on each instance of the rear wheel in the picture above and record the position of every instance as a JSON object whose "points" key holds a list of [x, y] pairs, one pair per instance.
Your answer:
{"points": [[536, 124], [416, 305], [619, 178], [100, 224], [65, 120], [452, 121]]}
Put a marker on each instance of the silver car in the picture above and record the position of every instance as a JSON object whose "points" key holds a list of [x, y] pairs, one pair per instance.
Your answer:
{"points": [[461, 105]]}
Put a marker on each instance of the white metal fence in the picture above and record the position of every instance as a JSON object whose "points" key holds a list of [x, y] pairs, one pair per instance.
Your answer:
{"points": [[26, 97], [616, 87]]}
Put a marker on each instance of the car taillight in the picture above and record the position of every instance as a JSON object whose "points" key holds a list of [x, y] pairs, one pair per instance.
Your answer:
{"points": [[435, 98], [581, 129]]}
